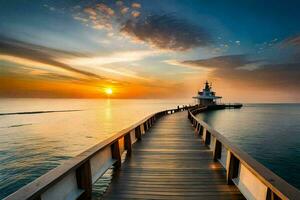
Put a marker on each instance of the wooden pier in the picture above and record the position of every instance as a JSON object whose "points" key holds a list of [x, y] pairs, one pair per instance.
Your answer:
{"points": [[169, 155], [171, 162]]}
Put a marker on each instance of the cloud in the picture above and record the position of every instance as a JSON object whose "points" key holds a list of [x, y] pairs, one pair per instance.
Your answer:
{"points": [[17, 50], [135, 14], [162, 31], [291, 47], [105, 9], [90, 12], [124, 10], [136, 5], [228, 62], [284, 76], [291, 42], [231, 68], [167, 32], [126, 56], [108, 63], [98, 16]]}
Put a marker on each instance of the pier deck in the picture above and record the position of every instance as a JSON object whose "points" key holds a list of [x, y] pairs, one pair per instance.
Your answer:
{"points": [[171, 162]]}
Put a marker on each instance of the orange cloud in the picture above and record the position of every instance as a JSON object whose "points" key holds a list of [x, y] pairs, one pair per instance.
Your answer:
{"points": [[105, 9], [136, 5], [135, 14]]}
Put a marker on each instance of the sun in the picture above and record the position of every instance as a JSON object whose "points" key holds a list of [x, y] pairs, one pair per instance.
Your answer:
{"points": [[108, 91]]}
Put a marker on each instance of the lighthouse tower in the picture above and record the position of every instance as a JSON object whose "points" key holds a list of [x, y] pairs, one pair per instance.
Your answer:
{"points": [[207, 96]]}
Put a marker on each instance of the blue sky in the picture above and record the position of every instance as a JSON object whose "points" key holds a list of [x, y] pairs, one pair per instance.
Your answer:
{"points": [[156, 46]]}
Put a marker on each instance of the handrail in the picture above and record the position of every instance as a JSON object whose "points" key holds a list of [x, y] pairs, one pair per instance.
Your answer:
{"points": [[73, 179], [239, 164]]}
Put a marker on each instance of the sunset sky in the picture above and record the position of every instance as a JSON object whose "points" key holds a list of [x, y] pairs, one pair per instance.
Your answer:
{"points": [[249, 50]]}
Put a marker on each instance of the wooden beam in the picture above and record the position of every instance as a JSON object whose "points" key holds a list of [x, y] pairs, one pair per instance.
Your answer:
{"points": [[138, 133], [115, 152], [271, 195], [201, 130], [127, 144], [217, 150], [84, 180], [232, 168], [197, 127], [145, 124], [207, 138]]}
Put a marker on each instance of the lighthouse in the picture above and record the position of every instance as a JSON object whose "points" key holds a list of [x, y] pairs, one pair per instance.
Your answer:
{"points": [[207, 96]]}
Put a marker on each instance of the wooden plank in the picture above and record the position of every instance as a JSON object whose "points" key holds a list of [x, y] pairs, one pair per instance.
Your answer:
{"points": [[145, 126], [279, 186], [207, 138], [200, 130], [232, 168], [271, 195], [66, 188], [128, 144], [138, 133], [100, 162], [84, 180], [170, 163], [121, 145], [217, 150], [115, 152]]}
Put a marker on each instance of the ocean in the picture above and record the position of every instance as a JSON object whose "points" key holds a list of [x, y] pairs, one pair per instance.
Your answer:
{"points": [[268, 132], [37, 135]]}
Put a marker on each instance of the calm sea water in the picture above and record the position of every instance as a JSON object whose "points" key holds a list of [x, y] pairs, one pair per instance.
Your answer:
{"points": [[31, 144], [268, 132]]}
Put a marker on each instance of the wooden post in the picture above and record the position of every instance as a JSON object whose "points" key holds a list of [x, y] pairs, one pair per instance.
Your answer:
{"points": [[200, 130], [271, 195], [127, 144], [138, 133], [84, 180], [145, 126], [232, 168], [197, 127], [115, 152], [204, 133], [217, 150], [207, 138]]}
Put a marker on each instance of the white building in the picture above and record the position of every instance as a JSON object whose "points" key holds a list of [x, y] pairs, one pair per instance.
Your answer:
{"points": [[207, 96]]}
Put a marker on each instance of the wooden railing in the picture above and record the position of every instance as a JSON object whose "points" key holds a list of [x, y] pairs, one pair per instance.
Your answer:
{"points": [[74, 178], [253, 179]]}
